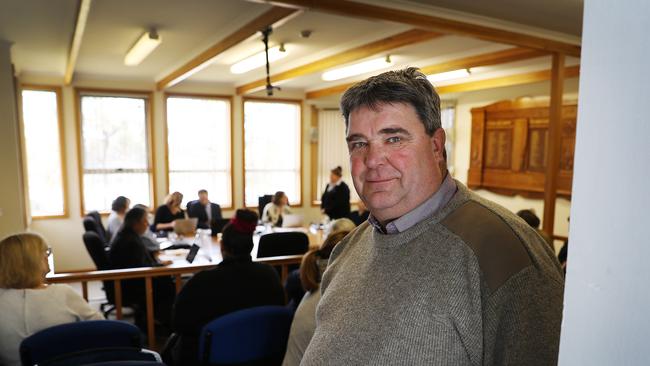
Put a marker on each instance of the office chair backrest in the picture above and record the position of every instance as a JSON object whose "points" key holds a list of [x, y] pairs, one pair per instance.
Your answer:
{"points": [[253, 334], [98, 219], [95, 248], [98, 254], [287, 243], [75, 337], [218, 225], [90, 224], [262, 201]]}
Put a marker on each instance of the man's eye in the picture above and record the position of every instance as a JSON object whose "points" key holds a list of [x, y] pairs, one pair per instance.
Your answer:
{"points": [[393, 139], [354, 145]]}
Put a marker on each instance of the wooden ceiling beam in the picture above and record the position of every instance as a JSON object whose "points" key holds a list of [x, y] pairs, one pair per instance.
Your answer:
{"points": [[430, 23], [386, 44], [270, 17], [486, 59], [75, 46], [527, 78]]}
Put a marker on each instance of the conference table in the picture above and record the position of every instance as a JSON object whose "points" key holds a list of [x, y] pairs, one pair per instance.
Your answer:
{"points": [[208, 256]]}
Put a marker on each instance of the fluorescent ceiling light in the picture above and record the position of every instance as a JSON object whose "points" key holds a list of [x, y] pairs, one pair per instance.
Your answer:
{"points": [[258, 60], [142, 48], [356, 69], [449, 75]]}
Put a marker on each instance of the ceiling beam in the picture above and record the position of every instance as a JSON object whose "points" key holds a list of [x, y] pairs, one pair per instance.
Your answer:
{"points": [[199, 62], [80, 27], [386, 44], [527, 78], [486, 59], [430, 23]]}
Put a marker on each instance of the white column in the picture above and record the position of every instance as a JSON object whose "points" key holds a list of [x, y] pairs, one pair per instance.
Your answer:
{"points": [[12, 210], [607, 295]]}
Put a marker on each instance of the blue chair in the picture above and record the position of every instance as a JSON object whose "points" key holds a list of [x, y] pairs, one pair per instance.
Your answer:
{"points": [[84, 342], [251, 336]]}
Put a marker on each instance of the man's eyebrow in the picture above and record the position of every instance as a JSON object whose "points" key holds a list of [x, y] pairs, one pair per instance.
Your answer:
{"points": [[394, 130], [354, 136]]}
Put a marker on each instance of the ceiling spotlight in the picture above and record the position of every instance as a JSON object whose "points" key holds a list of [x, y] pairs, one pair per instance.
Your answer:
{"points": [[306, 33], [259, 59], [356, 69], [142, 48]]}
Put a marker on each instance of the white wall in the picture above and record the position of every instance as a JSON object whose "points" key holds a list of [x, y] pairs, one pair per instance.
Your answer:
{"points": [[462, 139], [12, 210], [607, 295]]}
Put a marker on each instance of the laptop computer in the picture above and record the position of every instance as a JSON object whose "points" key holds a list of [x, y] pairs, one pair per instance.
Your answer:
{"points": [[292, 220], [185, 226]]}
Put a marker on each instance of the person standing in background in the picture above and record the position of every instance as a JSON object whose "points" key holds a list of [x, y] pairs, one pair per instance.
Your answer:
{"points": [[335, 201]]}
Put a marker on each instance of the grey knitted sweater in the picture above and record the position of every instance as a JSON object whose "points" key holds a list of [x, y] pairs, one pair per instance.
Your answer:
{"points": [[471, 285]]}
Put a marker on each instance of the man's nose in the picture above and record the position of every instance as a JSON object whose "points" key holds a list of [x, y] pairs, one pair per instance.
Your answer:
{"points": [[375, 156]]}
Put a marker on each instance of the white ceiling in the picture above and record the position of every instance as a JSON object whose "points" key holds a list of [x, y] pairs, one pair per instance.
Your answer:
{"points": [[41, 31]]}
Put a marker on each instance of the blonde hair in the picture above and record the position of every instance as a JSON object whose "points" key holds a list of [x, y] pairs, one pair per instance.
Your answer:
{"points": [[174, 198], [21, 261], [310, 271]]}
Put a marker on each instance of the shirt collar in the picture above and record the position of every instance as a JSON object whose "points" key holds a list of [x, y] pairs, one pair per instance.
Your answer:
{"points": [[427, 208]]}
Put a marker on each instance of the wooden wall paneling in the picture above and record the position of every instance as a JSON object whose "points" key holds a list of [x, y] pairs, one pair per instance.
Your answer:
{"points": [[475, 173]]}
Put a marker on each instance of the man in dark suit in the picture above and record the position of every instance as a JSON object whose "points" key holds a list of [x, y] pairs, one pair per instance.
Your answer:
{"points": [[208, 213]]}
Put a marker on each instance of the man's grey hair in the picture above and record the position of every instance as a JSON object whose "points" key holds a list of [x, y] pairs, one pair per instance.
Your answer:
{"points": [[403, 86]]}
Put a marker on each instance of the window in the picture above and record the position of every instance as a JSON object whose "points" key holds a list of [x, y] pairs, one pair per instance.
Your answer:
{"points": [[272, 146], [114, 150], [42, 134], [198, 142], [332, 151]]}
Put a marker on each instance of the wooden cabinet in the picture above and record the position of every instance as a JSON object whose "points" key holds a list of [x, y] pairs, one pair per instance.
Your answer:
{"points": [[508, 148]]}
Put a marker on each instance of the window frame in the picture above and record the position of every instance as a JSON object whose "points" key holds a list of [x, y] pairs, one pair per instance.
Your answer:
{"points": [[300, 104], [151, 158], [227, 98], [62, 151]]}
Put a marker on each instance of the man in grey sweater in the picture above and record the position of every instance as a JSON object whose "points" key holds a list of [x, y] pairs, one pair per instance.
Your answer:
{"points": [[437, 275]]}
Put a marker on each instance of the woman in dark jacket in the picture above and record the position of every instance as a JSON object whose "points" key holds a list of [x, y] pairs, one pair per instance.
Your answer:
{"points": [[335, 201], [128, 251], [237, 283]]}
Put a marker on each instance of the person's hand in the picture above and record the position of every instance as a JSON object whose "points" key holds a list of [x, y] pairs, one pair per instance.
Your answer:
{"points": [[166, 262]]}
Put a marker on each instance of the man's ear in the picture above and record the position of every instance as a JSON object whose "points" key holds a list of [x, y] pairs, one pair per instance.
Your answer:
{"points": [[438, 143]]}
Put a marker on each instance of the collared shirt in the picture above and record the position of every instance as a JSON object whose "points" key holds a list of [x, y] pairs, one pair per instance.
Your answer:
{"points": [[434, 203], [331, 186]]}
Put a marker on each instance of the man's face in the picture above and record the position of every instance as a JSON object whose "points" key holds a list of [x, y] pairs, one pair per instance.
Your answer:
{"points": [[203, 199], [395, 164]]}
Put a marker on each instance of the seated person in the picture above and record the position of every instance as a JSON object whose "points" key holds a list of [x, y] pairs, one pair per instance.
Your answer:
{"points": [[207, 212], [236, 283], [293, 286], [272, 213], [27, 304], [533, 221], [361, 214], [149, 238], [116, 218], [167, 213], [128, 251], [304, 321]]}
